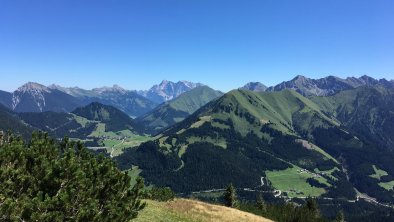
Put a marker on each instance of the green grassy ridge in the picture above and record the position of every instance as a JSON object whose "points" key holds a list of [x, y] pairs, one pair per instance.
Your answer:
{"points": [[176, 110], [250, 110], [194, 99], [219, 133], [114, 119], [246, 111], [270, 121], [59, 125], [91, 131]]}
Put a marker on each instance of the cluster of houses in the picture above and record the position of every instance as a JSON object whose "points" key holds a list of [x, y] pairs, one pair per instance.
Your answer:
{"points": [[316, 175]]}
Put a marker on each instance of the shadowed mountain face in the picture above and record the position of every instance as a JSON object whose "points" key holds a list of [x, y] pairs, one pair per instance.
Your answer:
{"points": [[33, 97], [10, 121], [128, 101], [5, 98], [176, 110], [114, 119], [168, 90], [367, 111], [93, 124]]}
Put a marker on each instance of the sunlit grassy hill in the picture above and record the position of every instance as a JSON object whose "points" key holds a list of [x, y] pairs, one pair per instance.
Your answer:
{"points": [[186, 210]]}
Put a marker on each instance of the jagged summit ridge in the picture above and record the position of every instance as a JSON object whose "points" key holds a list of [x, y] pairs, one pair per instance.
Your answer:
{"points": [[115, 88], [32, 86], [329, 85], [168, 90]]}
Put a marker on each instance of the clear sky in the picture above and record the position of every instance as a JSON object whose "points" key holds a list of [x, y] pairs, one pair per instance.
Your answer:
{"points": [[222, 43]]}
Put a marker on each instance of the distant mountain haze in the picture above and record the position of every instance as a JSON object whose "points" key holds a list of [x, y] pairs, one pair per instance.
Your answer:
{"points": [[126, 100], [320, 87], [168, 90], [254, 86], [328, 85], [34, 97]]}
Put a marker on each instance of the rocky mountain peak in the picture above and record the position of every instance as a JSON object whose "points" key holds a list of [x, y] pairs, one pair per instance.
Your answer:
{"points": [[300, 79], [32, 86], [168, 90], [254, 86], [114, 89]]}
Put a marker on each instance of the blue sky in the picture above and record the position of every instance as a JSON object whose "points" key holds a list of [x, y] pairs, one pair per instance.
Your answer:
{"points": [[222, 43]]}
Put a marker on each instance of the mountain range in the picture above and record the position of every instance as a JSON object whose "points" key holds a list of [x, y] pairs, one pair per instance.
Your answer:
{"points": [[34, 97], [168, 90], [329, 138], [326, 86], [322, 146], [128, 101]]}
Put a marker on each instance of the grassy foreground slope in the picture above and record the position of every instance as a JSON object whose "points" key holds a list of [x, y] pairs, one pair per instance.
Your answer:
{"points": [[185, 210]]}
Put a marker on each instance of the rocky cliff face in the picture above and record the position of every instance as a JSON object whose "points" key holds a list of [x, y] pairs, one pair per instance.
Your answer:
{"points": [[329, 85], [34, 97], [168, 90]]}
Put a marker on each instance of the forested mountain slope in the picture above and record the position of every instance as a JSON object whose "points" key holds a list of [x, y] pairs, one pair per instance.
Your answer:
{"points": [[246, 135]]}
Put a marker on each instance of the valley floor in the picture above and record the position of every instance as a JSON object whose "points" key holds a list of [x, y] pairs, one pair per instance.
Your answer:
{"points": [[185, 210]]}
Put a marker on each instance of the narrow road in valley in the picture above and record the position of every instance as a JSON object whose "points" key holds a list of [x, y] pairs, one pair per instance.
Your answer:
{"points": [[277, 193], [112, 148], [97, 147]]}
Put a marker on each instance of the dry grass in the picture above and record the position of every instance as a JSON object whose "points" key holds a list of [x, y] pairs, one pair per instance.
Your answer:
{"points": [[200, 211], [186, 210]]}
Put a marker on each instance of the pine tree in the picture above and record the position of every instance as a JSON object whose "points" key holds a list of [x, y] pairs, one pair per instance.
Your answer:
{"points": [[46, 181], [230, 196], [312, 206], [260, 203], [340, 217]]}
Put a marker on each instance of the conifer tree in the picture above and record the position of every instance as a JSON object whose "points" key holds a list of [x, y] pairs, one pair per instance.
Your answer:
{"points": [[230, 196], [261, 203], [47, 181], [340, 217], [312, 206]]}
